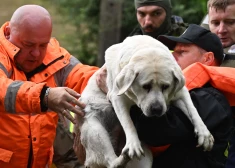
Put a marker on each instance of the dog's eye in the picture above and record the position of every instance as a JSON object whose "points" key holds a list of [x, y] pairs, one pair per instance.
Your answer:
{"points": [[164, 87], [147, 87]]}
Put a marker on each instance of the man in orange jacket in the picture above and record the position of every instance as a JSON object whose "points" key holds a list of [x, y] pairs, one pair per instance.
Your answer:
{"points": [[39, 80]]}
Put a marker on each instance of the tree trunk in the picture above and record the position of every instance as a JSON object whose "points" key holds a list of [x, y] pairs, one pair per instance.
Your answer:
{"points": [[109, 26]]}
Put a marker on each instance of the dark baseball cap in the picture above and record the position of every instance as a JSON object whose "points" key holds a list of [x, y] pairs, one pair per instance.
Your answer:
{"points": [[199, 36]]}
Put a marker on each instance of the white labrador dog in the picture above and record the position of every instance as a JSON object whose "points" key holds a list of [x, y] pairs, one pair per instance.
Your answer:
{"points": [[140, 71]]}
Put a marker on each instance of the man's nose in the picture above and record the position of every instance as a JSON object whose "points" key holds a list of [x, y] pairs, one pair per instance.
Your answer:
{"points": [[35, 52], [222, 28], [148, 20]]}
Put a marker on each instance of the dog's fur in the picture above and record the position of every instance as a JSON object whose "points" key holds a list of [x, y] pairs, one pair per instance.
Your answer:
{"points": [[140, 71]]}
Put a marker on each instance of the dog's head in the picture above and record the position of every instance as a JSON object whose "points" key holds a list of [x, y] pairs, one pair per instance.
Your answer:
{"points": [[151, 79]]}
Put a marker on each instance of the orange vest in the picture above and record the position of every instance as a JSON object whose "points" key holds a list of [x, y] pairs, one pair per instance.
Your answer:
{"points": [[22, 122], [221, 78], [197, 75]]}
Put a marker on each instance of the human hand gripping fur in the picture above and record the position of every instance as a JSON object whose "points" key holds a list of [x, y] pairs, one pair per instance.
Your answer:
{"points": [[63, 100]]}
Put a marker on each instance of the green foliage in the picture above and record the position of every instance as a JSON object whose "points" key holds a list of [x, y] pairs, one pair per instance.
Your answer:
{"points": [[84, 16], [190, 11], [129, 20]]}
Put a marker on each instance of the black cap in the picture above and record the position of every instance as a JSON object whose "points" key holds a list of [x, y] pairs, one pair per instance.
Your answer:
{"points": [[199, 36]]}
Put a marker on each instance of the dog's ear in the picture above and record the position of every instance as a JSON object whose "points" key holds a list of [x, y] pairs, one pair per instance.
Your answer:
{"points": [[178, 82], [125, 79]]}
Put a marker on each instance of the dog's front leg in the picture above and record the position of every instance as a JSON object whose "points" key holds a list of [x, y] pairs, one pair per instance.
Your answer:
{"points": [[122, 106], [184, 102]]}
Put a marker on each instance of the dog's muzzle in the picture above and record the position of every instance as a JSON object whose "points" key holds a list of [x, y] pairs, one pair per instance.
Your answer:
{"points": [[156, 109]]}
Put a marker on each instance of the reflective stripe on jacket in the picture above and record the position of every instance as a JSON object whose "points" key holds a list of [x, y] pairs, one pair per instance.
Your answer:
{"points": [[22, 122]]}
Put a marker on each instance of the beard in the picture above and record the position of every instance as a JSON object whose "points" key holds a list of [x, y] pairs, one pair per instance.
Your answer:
{"points": [[152, 31]]}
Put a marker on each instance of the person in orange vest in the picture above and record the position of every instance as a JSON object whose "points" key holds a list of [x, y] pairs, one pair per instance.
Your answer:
{"points": [[39, 81], [171, 137]]}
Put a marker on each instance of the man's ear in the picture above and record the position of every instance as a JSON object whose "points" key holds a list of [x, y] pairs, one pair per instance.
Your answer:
{"points": [[7, 32], [208, 58]]}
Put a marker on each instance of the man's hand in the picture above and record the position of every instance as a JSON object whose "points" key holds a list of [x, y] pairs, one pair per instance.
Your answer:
{"points": [[63, 100], [101, 79]]}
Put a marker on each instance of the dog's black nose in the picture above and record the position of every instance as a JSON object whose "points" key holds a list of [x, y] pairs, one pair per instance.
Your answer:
{"points": [[156, 109]]}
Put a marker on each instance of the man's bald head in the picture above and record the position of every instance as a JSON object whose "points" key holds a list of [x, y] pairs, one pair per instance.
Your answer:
{"points": [[30, 16], [30, 30]]}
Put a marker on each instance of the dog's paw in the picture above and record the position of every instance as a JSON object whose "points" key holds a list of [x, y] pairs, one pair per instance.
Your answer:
{"points": [[132, 149], [205, 138], [120, 162]]}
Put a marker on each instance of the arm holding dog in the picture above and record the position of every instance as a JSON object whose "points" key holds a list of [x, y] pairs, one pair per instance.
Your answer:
{"points": [[64, 99]]}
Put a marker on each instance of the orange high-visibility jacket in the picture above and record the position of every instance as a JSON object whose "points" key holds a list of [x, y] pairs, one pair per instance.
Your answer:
{"points": [[21, 119], [197, 75], [221, 78]]}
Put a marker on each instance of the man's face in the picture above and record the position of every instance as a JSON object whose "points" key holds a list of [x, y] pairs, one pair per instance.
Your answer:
{"points": [[187, 54], [150, 18], [222, 23], [33, 45]]}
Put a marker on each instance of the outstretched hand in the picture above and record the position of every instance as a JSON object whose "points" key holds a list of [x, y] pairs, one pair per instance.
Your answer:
{"points": [[63, 100]]}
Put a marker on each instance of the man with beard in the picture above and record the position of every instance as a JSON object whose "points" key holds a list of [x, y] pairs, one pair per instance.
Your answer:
{"points": [[154, 17]]}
